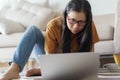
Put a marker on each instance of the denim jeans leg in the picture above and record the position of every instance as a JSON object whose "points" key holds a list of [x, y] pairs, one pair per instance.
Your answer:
{"points": [[31, 37]]}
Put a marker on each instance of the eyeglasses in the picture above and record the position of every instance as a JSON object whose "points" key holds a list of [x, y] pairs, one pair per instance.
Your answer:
{"points": [[74, 21]]}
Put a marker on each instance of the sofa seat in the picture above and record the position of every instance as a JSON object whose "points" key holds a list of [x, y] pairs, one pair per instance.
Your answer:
{"points": [[6, 53], [10, 40], [104, 47]]}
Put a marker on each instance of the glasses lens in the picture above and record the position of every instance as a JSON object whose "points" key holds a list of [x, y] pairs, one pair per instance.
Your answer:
{"points": [[81, 22], [73, 21]]}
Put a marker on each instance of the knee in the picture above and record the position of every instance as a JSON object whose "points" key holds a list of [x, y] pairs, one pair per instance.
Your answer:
{"points": [[34, 28], [31, 30]]}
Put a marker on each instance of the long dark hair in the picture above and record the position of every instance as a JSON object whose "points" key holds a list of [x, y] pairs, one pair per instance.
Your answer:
{"points": [[84, 36]]}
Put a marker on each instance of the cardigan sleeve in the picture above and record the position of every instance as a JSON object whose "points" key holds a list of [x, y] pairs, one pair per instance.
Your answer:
{"points": [[53, 36], [95, 37], [50, 40]]}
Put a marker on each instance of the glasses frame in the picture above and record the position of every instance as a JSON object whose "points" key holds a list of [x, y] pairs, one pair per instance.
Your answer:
{"points": [[74, 21]]}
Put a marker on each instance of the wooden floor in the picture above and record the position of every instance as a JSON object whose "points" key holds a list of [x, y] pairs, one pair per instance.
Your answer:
{"points": [[30, 64], [106, 60]]}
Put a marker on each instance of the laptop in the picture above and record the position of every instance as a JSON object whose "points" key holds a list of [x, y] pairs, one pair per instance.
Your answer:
{"points": [[69, 66]]}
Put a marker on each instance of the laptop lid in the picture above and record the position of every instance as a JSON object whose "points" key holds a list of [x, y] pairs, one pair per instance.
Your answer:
{"points": [[73, 66]]}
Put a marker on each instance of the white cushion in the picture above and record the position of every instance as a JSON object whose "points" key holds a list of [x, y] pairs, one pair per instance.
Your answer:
{"points": [[40, 2], [31, 14], [105, 32], [8, 26], [18, 3]]}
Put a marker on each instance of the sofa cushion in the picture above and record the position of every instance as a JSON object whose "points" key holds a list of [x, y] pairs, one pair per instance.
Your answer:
{"points": [[9, 26], [18, 3], [105, 32], [43, 3], [31, 14]]}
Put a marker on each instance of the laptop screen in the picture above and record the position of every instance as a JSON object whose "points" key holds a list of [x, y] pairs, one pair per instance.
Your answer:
{"points": [[71, 66]]}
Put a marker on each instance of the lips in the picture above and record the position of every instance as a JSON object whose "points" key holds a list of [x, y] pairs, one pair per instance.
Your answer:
{"points": [[75, 31]]}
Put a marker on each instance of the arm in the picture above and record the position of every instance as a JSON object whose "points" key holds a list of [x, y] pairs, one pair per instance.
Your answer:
{"points": [[53, 36], [50, 39]]}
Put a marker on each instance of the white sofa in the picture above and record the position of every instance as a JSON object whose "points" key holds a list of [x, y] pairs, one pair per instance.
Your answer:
{"points": [[105, 28], [17, 17]]}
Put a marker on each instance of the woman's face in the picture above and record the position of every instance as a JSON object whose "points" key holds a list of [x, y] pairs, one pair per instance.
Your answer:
{"points": [[76, 21]]}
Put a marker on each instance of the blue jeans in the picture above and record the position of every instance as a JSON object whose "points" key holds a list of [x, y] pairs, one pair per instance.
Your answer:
{"points": [[31, 39]]}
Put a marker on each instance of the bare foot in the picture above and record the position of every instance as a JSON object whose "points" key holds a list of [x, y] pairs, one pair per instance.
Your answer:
{"points": [[33, 72], [11, 73]]}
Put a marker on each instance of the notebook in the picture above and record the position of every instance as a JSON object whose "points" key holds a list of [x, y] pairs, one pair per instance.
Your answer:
{"points": [[69, 66]]}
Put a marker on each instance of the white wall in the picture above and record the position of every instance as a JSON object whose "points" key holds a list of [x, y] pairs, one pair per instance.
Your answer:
{"points": [[99, 7]]}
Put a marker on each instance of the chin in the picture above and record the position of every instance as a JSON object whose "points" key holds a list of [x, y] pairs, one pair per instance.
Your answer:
{"points": [[74, 32]]}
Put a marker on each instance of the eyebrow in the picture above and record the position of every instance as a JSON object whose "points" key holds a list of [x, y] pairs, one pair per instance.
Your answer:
{"points": [[78, 20], [75, 19]]}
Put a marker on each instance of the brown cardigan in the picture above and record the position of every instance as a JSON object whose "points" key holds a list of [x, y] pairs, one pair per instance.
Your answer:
{"points": [[53, 37]]}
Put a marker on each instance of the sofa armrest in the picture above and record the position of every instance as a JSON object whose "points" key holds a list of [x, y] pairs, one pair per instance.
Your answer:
{"points": [[105, 32]]}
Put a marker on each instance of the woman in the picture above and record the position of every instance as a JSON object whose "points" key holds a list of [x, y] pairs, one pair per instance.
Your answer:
{"points": [[74, 32]]}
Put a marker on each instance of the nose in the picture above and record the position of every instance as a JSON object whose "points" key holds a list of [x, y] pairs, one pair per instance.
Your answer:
{"points": [[75, 26]]}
